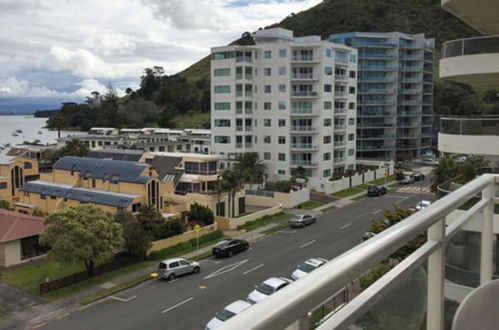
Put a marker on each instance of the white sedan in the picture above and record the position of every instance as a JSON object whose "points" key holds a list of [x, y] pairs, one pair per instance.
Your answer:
{"points": [[266, 288], [422, 205], [307, 267], [229, 311]]}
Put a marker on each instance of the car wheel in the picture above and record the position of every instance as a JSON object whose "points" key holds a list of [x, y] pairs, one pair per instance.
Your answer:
{"points": [[196, 270], [313, 221], [246, 246], [230, 254], [171, 277]]}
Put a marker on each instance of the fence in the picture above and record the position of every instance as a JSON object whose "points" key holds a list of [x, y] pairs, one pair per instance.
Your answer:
{"points": [[184, 237], [274, 198], [81, 276], [233, 223]]}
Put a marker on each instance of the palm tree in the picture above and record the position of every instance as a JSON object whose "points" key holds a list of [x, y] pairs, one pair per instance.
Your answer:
{"points": [[230, 183], [250, 168]]}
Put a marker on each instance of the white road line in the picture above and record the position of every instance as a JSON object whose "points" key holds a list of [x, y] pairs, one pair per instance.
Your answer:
{"points": [[346, 226], [252, 269], [226, 269], [377, 211], [401, 200], [177, 305], [175, 280], [307, 244], [123, 299]]}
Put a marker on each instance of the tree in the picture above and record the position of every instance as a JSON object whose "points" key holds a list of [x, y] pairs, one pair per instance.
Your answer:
{"points": [[73, 147], [137, 240], [230, 183], [57, 121], [445, 170], [201, 214], [250, 167], [166, 116], [149, 218], [84, 234], [128, 91], [110, 107]]}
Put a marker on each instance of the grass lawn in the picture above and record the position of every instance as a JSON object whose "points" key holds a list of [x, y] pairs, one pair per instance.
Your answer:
{"points": [[309, 205], [318, 315], [327, 209], [2, 316], [274, 229], [252, 225], [191, 120]]}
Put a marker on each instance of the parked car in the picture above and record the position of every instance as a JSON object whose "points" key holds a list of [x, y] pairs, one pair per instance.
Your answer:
{"points": [[229, 311], [229, 247], [267, 288], [399, 175], [407, 180], [367, 235], [172, 268], [307, 267], [418, 176], [376, 190], [301, 220], [429, 161], [421, 205]]}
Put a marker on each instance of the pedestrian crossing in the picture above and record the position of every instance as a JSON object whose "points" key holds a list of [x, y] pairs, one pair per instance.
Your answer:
{"points": [[414, 190]]}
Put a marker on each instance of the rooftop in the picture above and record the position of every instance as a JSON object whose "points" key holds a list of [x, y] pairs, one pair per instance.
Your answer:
{"points": [[15, 225]]}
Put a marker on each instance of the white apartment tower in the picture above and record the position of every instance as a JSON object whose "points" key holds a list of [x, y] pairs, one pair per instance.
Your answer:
{"points": [[290, 99]]}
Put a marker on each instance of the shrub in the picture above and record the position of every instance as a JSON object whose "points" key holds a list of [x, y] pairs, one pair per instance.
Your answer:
{"points": [[373, 275], [201, 214]]}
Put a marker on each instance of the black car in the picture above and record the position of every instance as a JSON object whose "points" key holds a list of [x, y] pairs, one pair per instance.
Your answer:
{"points": [[418, 176], [229, 247], [376, 190]]}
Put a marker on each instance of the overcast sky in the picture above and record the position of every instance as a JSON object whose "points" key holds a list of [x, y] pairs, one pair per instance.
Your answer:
{"points": [[68, 48]]}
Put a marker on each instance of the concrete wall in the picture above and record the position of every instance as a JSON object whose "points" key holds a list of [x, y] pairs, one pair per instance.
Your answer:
{"points": [[184, 237], [232, 223], [11, 253], [469, 144], [286, 200]]}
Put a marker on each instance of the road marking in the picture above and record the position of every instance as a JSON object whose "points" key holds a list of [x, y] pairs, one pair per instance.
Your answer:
{"points": [[63, 316], [177, 305], [252, 269], [346, 226], [226, 269], [202, 287], [39, 325], [403, 199], [175, 280], [307, 244], [216, 262], [123, 299], [377, 211], [287, 231], [85, 307]]}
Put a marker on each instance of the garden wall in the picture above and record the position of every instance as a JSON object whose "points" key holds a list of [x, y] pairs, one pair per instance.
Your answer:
{"points": [[233, 223], [184, 237], [274, 198]]}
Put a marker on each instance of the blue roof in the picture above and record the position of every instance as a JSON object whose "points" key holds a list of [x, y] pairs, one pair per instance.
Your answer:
{"points": [[80, 194], [104, 169]]}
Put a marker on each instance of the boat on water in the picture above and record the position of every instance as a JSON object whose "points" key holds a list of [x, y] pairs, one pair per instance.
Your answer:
{"points": [[15, 134], [19, 130], [40, 132]]}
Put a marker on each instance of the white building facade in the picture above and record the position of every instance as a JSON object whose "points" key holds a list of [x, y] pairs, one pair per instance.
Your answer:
{"points": [[292, 100]]}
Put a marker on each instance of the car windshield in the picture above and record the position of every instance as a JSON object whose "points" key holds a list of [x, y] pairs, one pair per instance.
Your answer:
{"points": [[162, 265], [307, 268], [296, 218], [224, 315], [265, 289], [222, 243]]}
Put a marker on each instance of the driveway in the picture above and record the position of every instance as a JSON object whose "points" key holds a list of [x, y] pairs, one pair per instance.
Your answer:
{"points": [[13, 299], [322, 198]]}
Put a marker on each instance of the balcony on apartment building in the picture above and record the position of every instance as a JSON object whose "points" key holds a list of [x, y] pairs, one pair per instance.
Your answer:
{"points": [[377, 56], [376, 90], [300, 76], [472, 135], [339, 160], [340, 94], [364, 79], [340, 111], [374, 43], [340, 144], [244, 128], [340, 127], [244, 59], [303, 163], [376, 67], [382, 136], [306, 112], [473, 61], [305, 59], [341, 77], [406, 57], [480, 14], [304, 146], [304, 94], [411, 68], [411, 79], [303, 129]]}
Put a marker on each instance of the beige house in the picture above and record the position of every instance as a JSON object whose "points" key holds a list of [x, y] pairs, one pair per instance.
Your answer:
{"points": [[14, 173]]}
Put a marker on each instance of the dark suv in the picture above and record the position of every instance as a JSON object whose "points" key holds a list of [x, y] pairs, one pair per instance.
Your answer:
{"points": [[376, 190], [229, 247]]}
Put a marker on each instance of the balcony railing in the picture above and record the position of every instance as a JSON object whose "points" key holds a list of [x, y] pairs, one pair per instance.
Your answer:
{"points": [[302, 76], [302, 111], [303, 129], [338, 144], [341, 77], [470, 126], [244, 59], [339, 160], [340, 127], [303, 58], [303, 146], [376, 91], [471, 46], [292, 305], [295, 162], [340, 94], [340, 110], [304, 94]]}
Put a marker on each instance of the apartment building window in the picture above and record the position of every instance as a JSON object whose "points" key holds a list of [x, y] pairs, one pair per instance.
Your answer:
{"points": [[351, 152], [281, 172], [328, 88], [222, 105], [351, 90], [352, 74], [351, 137], [282, 88], [267, 123], [353, 58], [267, 105], [267, 54], [351, 121], [267, 139], [282, 52], [267, 156], [282, 140], [326, 173], [328, 52], [267, 71], [267, 89], [282, 105], [327, 122], [326, 156], [43, 196], [3, 185], [282, 70], [222, 72], [281, 157], [224, 89], [222, 122], [222, 139], [351, 105], [328, 105], [328, 71], [327, 139]]}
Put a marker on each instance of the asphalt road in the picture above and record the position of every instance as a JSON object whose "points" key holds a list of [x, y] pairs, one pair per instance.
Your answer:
{"points": [[190, 302]]}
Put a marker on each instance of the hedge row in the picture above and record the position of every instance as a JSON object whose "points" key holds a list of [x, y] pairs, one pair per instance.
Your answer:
{"points": [[185, 247]]}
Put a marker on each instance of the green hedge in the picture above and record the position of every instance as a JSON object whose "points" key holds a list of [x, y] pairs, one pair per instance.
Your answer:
{"points": [[265, 220], [185, 247]]}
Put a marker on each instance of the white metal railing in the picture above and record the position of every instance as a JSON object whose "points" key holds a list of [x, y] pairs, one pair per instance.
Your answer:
{"points": [[289, 308]]}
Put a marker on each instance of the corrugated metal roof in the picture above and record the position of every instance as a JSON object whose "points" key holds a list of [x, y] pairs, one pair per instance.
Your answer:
{"points": [[104, 169]]}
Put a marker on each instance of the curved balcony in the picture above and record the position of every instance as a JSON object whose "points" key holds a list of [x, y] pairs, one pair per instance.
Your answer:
{"points": [[481, 14], [473, 61], [479, 136]]}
